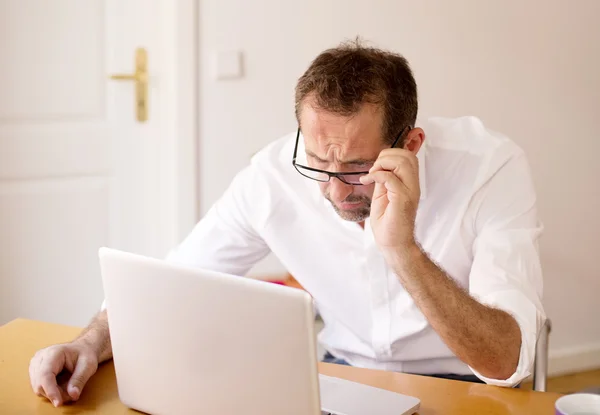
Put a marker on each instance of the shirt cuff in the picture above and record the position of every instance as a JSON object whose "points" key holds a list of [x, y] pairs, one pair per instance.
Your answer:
{"points": [[528, 343]]}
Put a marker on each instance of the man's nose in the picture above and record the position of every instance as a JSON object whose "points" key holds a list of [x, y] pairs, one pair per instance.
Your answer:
{"points": [[338, 190]]}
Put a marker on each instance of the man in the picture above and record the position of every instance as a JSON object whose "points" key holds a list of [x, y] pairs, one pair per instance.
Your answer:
{"points": [[420, 253]]}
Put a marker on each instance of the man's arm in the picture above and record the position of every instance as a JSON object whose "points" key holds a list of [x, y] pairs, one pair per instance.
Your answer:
{"points": [[492, 328], [224, 240], [97, 337], [487, 339]]}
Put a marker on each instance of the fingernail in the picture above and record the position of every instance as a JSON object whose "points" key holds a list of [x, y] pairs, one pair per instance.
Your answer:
{"points": [[55, 402], [75, 391]]}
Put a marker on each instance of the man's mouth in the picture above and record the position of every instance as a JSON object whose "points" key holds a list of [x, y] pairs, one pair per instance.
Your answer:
{"points": [[349, 205]]}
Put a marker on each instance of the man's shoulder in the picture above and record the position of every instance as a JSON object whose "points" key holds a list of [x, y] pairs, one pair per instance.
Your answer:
{"points": [[467, 134], [473, 152]]}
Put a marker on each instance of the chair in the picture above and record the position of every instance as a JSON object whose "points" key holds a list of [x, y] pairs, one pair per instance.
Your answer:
{"points": [[540, 364]]}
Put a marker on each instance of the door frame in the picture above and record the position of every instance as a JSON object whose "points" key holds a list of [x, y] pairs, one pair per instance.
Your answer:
{"points": [[179, 157]]}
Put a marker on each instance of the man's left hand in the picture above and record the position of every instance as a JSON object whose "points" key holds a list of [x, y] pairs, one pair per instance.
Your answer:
{"points": [[395, 199]]}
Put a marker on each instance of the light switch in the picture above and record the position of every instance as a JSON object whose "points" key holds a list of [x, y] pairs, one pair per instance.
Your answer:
{"points": [[227, 65]]}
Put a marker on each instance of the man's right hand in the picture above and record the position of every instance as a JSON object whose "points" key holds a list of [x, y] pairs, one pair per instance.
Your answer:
{"points": [[61, 371]]}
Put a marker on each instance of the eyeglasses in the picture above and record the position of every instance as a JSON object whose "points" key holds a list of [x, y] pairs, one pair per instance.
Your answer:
{"points": [[352, 178]]}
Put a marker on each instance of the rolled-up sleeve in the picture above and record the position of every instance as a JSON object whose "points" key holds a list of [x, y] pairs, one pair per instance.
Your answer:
{"points": [[506, 273]]}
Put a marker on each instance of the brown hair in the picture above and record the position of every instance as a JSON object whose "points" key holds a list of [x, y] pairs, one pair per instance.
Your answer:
{"points": [[343, 78]]}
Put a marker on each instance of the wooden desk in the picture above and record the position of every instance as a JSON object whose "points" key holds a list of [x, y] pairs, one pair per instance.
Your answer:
{"points": [[20, 339]]}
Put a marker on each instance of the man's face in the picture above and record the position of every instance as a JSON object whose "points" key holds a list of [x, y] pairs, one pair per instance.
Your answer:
{"points": [[343, 144]]}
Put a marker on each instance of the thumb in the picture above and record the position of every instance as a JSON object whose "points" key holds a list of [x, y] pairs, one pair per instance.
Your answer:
{"points": [[84, 369]]}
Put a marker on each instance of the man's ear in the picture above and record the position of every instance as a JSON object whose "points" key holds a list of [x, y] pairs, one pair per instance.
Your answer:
{"points": [[414, 140]]}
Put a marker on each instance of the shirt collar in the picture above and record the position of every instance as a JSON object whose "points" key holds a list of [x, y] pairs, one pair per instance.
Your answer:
{"points": [[422, 157]]}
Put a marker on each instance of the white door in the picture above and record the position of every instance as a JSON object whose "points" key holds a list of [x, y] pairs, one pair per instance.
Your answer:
{"points": [[77, 169]]}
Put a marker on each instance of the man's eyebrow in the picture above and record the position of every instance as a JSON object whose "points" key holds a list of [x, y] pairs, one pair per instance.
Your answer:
{"points": [[353, 162]]}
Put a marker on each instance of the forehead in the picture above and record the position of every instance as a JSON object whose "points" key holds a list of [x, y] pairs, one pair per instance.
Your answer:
{"points": [[333, 136]]}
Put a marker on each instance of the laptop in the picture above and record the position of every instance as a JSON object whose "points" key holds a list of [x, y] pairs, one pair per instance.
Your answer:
{"points": [[191, 341]]}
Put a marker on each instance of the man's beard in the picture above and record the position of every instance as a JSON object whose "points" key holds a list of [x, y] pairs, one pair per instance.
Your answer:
{"points": [[355, 215]]}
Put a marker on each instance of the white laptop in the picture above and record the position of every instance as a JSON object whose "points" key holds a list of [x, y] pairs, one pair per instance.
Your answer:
{"points": [[190, 341]]}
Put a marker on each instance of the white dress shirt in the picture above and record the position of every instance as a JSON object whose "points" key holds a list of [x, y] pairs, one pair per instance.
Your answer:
{"points": [[476, 219]]}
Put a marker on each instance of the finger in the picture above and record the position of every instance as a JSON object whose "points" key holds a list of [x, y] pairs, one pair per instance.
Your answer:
{"points": [[34, 366], [50, 388], [32, 371], [387, 188], [386, 178], [51, 364], [405, 154], [63, 394], [84, 369], [390, 161], [402, 167], [62, 387]]}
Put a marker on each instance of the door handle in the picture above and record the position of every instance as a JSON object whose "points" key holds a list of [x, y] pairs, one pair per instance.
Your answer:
{"points": [[140, 77]]}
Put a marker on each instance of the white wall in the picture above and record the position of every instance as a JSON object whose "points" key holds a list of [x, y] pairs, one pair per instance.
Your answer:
{"points": [[530, 69]]}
